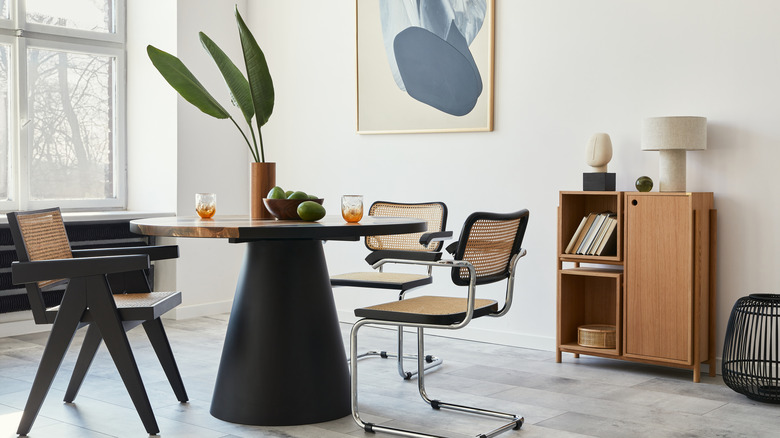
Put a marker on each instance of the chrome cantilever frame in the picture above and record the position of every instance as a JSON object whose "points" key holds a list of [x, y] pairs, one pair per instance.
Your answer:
{"points": [[430, 360], [514, 421]]}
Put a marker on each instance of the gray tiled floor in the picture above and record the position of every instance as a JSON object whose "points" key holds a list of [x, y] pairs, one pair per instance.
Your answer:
{"points": [[580, 397]]}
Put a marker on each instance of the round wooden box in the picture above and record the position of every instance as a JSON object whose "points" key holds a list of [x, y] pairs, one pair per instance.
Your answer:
{"points": [[596, 336]]}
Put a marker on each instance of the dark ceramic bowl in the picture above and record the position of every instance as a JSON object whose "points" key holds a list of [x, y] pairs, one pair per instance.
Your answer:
{"points": [[286, 209]]}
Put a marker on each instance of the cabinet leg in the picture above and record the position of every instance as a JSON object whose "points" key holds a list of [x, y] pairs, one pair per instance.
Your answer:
{"points": [[697, 373], [558, 355], [576, 355]]}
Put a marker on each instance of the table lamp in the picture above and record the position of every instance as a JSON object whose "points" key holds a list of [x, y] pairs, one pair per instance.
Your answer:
{"points": [[672, 137]]}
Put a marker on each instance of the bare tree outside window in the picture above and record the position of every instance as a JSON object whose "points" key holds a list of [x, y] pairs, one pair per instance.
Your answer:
{"points": [[70, 113], [92, 15]]}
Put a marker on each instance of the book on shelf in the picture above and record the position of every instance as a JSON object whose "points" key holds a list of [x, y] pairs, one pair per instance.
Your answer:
{"points": [[574, 237], [602, 233], [581, 232], [608, 245], [599, 237], [590, 234]]}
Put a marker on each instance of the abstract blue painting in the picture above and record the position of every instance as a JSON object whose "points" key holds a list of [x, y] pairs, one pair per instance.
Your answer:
{"points": [[437, 58]]}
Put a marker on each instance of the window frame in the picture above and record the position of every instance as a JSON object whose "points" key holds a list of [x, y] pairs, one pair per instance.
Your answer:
{"points": [[22, 36]]}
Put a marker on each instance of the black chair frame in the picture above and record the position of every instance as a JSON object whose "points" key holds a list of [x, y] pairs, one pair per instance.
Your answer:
{"points": [[93, 277]]}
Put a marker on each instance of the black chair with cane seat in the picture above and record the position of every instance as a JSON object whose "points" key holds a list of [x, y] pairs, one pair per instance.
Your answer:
{"points": [[415, 246], [107, 291], [488, 250]]}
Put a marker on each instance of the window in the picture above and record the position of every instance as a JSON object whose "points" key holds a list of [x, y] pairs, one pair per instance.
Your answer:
{"points": [[62, 104]]}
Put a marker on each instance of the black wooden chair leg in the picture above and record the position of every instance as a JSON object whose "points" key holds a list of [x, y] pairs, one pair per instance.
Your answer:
{"points": [[90, 346], [62, 333], [158, 338], [107, 318]]}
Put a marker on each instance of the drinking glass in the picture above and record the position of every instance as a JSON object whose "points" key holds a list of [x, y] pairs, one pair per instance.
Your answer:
{"points": [[206, 204], [352, 208]]}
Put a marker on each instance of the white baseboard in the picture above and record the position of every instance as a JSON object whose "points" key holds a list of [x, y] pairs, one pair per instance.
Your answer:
{"points": [[196, 310], [472, 333]]}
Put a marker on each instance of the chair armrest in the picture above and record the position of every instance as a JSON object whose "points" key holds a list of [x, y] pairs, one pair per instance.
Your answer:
{"points": [[42, 270], [375, 256], [435, 236], [161, 252], [438, 263], [452, 248]]}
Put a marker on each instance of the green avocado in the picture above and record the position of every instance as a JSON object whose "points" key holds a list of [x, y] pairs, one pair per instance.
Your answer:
{"points": [[298, 195], [276, 193], [311, 211]]}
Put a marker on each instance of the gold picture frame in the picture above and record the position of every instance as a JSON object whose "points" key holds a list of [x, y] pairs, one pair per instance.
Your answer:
{"points": [[416, 73]]}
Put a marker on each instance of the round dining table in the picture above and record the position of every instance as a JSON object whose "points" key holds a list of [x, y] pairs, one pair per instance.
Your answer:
{"points": [[283, 361]]}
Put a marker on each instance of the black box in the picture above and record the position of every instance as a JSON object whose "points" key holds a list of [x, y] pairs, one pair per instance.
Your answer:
{"points": [[598, 182]]}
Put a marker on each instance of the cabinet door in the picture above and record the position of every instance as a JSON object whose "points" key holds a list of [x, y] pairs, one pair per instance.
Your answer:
{"points": [[659, 277]]}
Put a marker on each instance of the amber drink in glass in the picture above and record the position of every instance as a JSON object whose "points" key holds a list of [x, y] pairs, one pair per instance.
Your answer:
{"points": [[206, 204], [352, 208]]}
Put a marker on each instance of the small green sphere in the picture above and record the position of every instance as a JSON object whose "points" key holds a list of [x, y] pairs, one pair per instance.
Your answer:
{"points": [[644, 184]]}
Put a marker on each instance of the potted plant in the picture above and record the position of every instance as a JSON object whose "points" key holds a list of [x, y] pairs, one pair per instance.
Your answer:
{"points": [[253, 94]]}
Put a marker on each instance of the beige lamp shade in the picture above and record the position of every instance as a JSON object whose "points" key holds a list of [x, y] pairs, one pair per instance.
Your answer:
{"points": [[672, 136], [686, 133]]}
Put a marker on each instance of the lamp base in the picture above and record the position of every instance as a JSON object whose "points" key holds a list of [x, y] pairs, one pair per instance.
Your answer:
{"points": [[671, 163], [598, 182]]}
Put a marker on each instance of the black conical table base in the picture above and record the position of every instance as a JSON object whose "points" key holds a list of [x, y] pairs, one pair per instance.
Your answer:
{"points": [[283, 361]]}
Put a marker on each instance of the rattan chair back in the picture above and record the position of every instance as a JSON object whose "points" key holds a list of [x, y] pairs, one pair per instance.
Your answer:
{"points": [[435, 213], [39, 235], [489, 241]]}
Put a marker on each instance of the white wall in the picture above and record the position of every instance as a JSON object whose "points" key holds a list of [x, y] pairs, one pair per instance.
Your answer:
{"points": [[564, 70], [176, 151]]}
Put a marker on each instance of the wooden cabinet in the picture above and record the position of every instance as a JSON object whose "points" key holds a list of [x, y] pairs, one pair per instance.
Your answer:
{"points": [[658, 290]]}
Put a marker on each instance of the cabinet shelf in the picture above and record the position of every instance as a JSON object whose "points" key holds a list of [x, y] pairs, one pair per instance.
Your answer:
{"points": [[606, 260], [575, 348]]}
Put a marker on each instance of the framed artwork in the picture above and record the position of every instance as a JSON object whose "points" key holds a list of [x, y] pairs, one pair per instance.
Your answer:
{"points": [[424, 65]]}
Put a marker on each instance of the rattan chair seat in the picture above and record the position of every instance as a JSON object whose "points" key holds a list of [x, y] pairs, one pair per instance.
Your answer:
{"points": [[138, 306], [427, 310], [381, 280]]}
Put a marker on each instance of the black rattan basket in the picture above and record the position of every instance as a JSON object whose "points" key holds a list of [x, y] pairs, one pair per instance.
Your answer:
{"points": [[751, 353]]}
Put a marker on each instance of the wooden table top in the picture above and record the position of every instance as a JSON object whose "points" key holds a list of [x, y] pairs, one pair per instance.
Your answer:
{"points": [[241, 227]]}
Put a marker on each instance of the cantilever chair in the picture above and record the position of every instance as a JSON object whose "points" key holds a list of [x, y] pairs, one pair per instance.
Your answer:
{"points": [[487, 252], [416, 246], [107, 291]]}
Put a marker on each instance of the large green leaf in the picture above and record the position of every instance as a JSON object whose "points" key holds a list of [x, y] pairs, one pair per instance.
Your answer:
{"points": [[235, 80], [184, 82], [260, 84]]}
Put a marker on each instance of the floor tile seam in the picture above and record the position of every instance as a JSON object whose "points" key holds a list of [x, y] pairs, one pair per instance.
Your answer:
{"points": [[658, 429], [584, 408], [604, 396], [735, 418], [707, 397], [540, 425], [108, 402], [80, 426], [705, 414]]}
